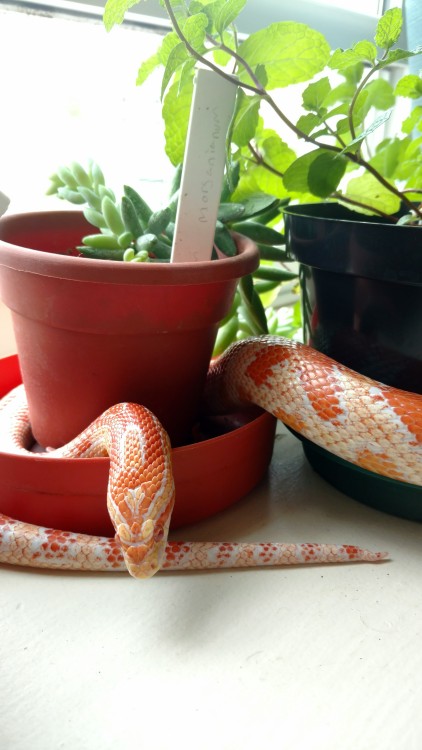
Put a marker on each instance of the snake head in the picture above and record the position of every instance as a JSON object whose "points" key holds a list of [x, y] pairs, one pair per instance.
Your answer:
{"points": [[143, 546], [140, 495]]}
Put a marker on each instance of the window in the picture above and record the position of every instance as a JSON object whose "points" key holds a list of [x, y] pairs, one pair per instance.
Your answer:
{"points": [[69, 93]]}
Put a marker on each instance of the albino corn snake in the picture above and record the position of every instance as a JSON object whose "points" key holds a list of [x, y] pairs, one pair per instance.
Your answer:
{"points": [[364, 422]]}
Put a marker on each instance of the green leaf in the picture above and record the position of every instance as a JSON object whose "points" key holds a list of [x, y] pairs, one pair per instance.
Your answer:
{"points": [[160, 57], [314, 95], [194, 29], [410, 86], [344, 92], [395, 55], [170, 41], [387, 156], [353, 74], [177, 57], [366, 51], [325, 173], [277, 153], [246, 118], [114, 11], [268, 182], [380, 94], [366, 189], [220, 56], [344, 59], [308, 123], [318, 172], [175, 111], [147, 67], [187, 72], [291, 53], [296, 177], [413, 121], [227, 13], [389, 28], [370, 129]]}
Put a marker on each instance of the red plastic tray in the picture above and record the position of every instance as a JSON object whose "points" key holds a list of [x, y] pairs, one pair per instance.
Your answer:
{"points": [[71, 493]]}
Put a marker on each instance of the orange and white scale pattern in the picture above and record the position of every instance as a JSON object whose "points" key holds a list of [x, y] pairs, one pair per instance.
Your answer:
{"points": [[364, 422], [372, 425], [35, 546]]}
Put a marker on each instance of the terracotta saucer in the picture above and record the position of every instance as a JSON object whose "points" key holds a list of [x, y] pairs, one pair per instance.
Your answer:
{"points": [[227, 460]]}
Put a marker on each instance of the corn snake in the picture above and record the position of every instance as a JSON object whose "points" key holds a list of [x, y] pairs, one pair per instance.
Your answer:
{"points": [[367, 423]]}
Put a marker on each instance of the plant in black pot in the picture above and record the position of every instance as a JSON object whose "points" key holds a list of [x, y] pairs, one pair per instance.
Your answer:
{"points": [[354, 216]]}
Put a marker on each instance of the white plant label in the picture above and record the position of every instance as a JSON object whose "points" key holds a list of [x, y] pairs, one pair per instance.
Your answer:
{"points": [[203, 167]]}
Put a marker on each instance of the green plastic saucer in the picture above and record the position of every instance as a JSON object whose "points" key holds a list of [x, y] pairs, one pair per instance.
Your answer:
{"points": [[388, 495]]}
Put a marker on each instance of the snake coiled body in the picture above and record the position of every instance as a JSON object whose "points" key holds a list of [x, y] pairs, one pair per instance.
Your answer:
{"points": [[367, 423]]}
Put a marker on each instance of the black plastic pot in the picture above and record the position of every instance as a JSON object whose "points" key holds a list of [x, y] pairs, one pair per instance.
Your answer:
{"points": [[361, 280]]}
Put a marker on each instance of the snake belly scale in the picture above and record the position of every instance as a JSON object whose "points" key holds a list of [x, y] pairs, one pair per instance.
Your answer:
{"points": [[365, 422]]}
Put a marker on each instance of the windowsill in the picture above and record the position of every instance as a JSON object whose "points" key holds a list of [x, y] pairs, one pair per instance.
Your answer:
{"points": [[319, 656]]}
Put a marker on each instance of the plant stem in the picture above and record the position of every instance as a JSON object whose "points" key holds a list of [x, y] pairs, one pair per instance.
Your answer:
{"points": [[259, 159], [352, 202], [258, 89]]}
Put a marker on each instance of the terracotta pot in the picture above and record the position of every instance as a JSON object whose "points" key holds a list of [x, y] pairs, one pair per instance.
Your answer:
{"points": [[70, 494], [93, 333]]}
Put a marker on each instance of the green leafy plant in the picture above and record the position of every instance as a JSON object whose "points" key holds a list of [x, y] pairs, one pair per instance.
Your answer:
{"points": [[338, 120], [129, 230]]}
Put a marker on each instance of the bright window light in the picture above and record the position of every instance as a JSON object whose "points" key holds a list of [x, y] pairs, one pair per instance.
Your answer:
{"points": [[68, 93], [366, 7]]}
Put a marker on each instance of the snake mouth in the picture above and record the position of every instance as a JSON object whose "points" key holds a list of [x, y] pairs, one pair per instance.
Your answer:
{"points": [[142, 560]]}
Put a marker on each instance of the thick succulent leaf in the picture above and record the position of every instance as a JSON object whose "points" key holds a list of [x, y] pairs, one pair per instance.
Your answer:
{"points": [[258, 204], [228, 212]]}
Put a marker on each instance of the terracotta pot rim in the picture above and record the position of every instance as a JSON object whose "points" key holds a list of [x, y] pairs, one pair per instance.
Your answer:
{"points": [[113, 272]]}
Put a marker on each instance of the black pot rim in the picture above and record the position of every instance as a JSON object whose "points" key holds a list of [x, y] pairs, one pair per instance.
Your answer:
{"points": [[333, 238]]}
